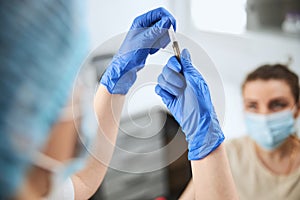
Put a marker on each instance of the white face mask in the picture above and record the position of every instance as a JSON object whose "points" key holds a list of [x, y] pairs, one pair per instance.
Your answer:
{"points": [[59, 171]]}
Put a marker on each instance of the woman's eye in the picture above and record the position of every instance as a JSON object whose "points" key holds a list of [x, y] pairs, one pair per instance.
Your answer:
{"points": [[276, 106], [251, 107]]}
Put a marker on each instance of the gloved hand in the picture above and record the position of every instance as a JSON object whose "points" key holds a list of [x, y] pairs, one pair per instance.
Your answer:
{"points": [[188, 98], [148, 33]]}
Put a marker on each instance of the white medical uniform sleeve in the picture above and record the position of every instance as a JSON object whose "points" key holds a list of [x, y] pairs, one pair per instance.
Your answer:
{"points": [[66, 192]]}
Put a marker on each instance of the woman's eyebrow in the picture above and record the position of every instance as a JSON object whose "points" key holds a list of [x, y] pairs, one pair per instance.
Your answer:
{"points": [[250, 100], [279, 99]]}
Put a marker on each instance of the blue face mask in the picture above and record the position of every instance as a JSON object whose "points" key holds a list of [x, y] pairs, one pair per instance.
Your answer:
{"points": [[298, 127], [270, 131]]}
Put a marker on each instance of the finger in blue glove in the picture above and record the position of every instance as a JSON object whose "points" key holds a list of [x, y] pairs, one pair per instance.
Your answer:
{"points": [[186, 95], [148, 33]]}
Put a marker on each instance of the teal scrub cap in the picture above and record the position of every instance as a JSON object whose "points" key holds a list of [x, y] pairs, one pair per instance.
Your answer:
{"points": [[42, 46]]}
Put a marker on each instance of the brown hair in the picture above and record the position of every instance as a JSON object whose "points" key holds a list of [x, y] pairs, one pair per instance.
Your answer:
{"points": [[277, 72]]}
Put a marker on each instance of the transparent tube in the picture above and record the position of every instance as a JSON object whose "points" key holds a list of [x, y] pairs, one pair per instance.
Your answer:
{"points": [[174, 42]]}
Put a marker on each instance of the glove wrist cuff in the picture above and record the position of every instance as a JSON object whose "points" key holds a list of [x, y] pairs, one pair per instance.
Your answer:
{"points": [[205, 139], [117, 81], [205, 149]]}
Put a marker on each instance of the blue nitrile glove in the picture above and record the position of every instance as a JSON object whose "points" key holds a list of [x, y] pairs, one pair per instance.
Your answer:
{"points": [[148, 33], [188, 98]]}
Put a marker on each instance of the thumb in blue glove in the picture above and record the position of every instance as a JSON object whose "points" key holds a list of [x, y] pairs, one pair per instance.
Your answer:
{"points": [[148, 33], [186, 95]]}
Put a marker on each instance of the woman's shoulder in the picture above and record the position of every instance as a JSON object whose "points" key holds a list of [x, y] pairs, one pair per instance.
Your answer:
{"points": [[238, 142], [238, 146], [241, 158]]}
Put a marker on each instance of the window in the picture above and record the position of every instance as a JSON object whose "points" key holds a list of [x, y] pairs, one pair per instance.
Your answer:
{"points": [[220, 16]]}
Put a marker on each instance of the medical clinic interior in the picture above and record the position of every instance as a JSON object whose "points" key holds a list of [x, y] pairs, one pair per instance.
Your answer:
{"points": [[150, 100]]}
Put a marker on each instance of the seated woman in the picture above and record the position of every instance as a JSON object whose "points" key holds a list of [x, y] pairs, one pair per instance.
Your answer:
{"points": [[266, 163]]}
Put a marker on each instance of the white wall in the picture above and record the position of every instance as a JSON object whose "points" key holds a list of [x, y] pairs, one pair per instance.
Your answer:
{"points": [[233, 55], [111, 17]]}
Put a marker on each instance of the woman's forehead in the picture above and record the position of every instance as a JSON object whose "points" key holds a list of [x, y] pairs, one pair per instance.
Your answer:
{"points": [[267, 89]]}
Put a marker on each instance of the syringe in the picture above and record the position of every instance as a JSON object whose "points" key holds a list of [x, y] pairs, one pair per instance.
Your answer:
{"points": [[174, 42]]}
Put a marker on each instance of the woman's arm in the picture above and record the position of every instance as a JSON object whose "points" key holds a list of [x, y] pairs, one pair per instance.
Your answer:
{"points": [[212, 178], [188, 193], [108, 108], [187, 96], [212, 173], [119, 76]]}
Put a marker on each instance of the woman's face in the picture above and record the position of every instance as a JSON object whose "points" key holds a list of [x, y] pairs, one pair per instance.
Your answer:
{"points": [[268, 96]]}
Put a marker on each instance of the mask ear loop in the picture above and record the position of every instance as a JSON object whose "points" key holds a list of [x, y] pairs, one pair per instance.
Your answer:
{"points": [[295, 139], [296, 143], [294, 135], [70, 113], [46, 162], [297, 106], [298, 122], [55, 167]]}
